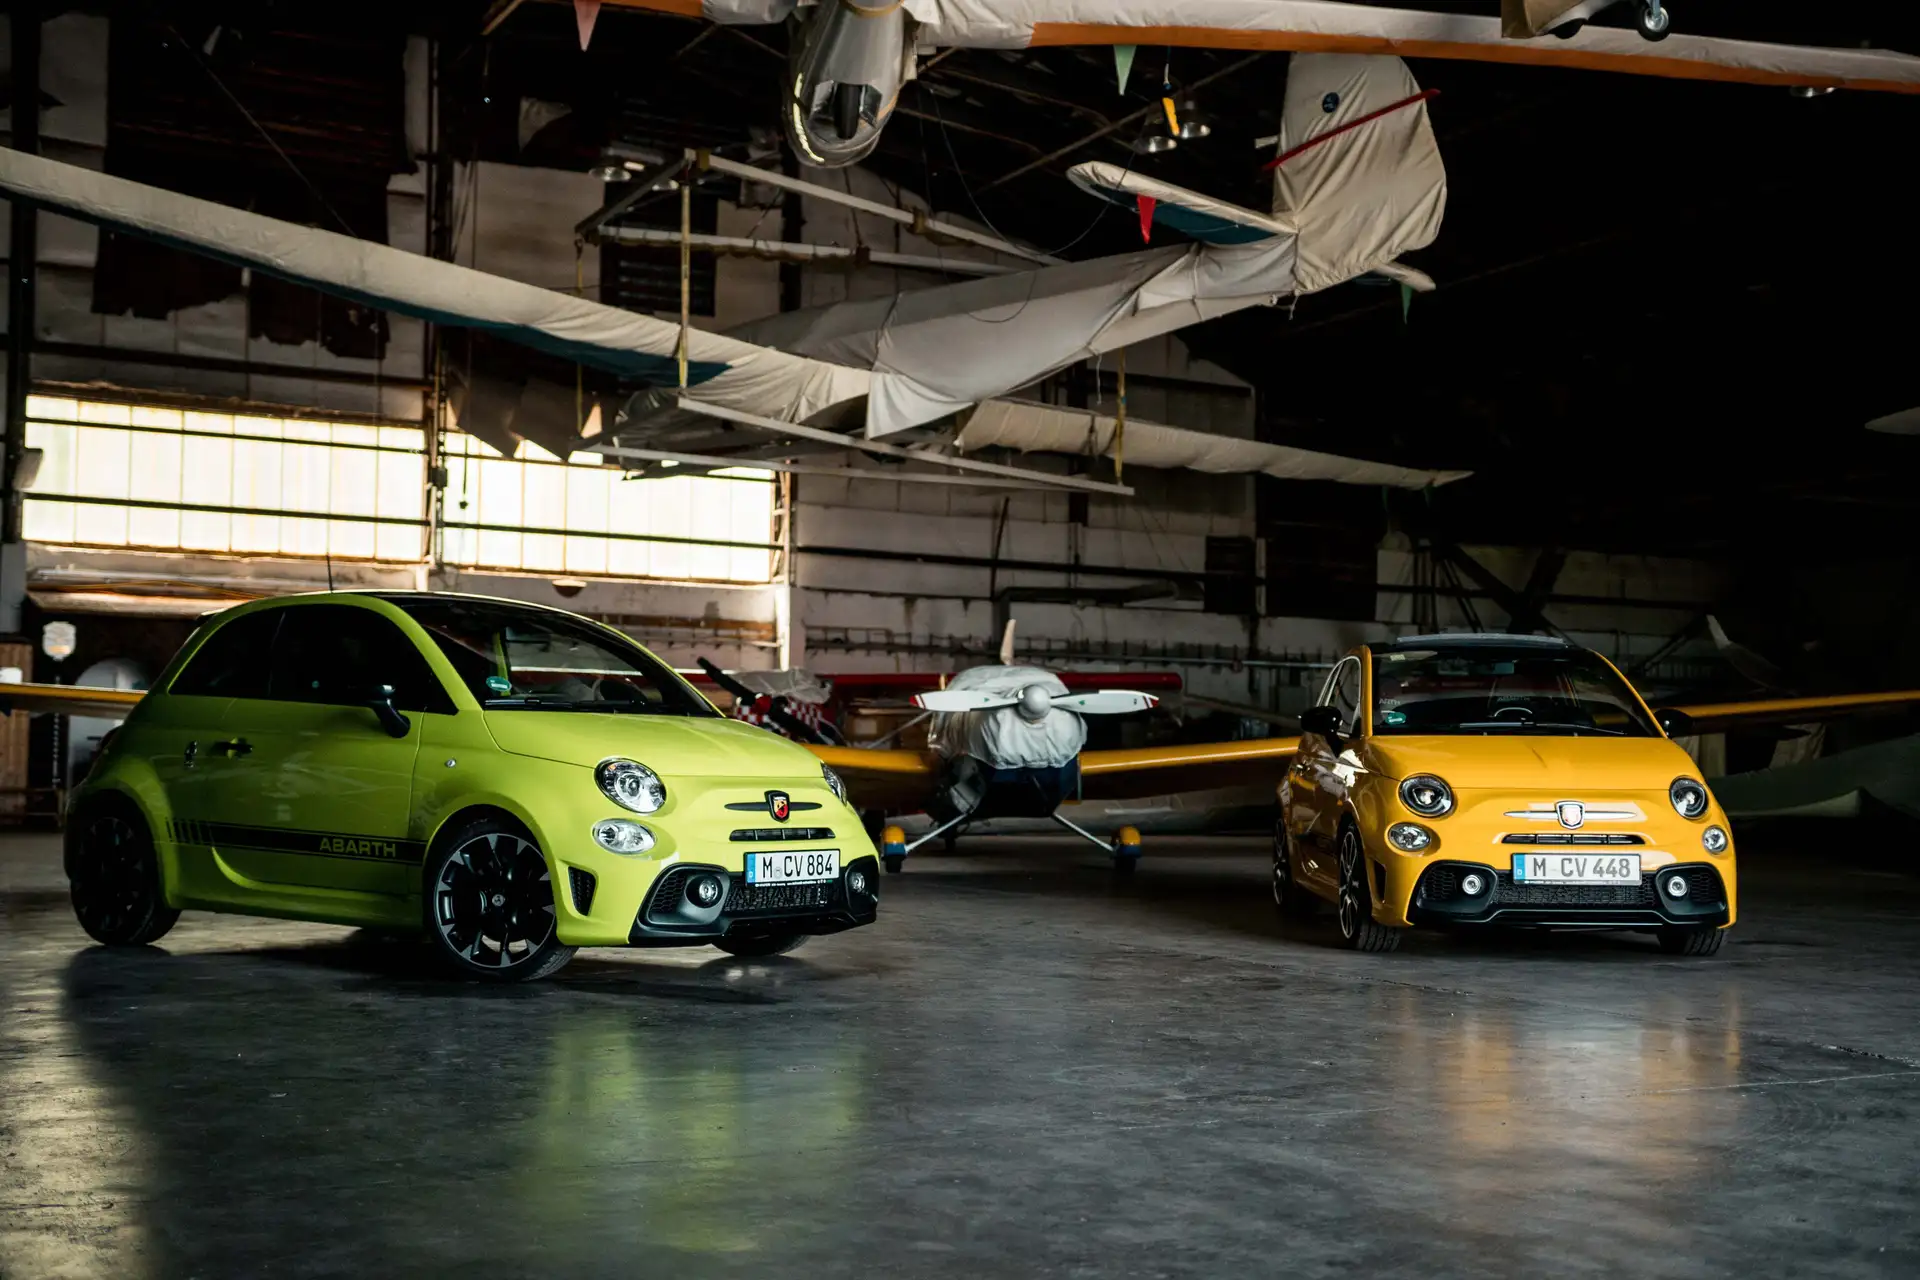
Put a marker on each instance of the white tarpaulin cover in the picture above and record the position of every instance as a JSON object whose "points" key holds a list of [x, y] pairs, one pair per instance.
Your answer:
{"points": [[1024, 425], [1003, 737], [1370, 193], [727, 371]]}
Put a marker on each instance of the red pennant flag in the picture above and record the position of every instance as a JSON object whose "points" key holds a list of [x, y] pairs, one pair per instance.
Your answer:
{"points": [[1146, 217], [584, 14]]}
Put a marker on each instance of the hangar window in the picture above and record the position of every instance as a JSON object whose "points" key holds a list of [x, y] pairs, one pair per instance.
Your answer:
{"points": [[538, 513], [119, 475]]}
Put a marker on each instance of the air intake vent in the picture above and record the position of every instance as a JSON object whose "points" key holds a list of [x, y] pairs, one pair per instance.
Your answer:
{"points": [[1567, 837], [581, 882], [780, 835]]}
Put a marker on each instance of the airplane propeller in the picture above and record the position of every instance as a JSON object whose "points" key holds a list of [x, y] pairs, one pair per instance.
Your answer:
{"points": [[1034, 701]]}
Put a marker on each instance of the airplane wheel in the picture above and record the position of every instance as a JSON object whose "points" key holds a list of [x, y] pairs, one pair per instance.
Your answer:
{"points": [[895, 863], [1568, 30], [949, 842], [1652, 25], [1124, 867]]}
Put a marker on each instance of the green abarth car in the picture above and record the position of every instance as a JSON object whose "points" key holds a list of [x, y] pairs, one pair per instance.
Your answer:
{"points": [[516, 781]]}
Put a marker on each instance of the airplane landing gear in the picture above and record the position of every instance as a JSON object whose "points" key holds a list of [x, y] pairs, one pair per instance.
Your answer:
{"points": [[893, 850], [1126, 850], [1652, 20]]}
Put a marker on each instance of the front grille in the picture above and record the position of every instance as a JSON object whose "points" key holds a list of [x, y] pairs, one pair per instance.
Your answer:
{"points": [[1572, 837], [581, 882], [1511, 893], [749, 899], [771, 835]]}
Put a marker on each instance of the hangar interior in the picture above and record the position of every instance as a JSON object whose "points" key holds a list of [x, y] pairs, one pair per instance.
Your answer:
{"points": [[1629, 409]]}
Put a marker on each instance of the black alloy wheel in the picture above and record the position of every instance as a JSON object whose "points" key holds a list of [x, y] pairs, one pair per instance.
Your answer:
{"points": [[1358, 929], [1289, 899], [113, 875], [489, 905]]}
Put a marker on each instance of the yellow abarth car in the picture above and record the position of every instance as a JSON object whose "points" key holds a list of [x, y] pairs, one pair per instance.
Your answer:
{"points": [[1498, 780], [513, 780]]}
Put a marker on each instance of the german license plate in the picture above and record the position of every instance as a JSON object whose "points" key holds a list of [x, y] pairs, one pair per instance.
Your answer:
{"points": [[1576, 868], [802, 867]]}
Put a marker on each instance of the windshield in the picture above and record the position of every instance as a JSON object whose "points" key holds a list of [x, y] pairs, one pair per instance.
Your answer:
{"points": [[1498, 690], [521, 659]]}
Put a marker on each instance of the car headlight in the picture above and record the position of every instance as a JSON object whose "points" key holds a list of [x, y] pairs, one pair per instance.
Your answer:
{"points": [[1714, 839], [1689, 797], [617, 835], [1409, 837], [834, 784], [1426, 795], [631, 785]]}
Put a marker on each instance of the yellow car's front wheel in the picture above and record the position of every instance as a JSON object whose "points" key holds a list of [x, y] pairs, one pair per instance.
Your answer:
{"points": [[489, 904], [1358, 929]]}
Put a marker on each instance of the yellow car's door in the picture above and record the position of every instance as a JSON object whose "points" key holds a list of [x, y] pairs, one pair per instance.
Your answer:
{"points": [[315, 792], [1319, 784]]}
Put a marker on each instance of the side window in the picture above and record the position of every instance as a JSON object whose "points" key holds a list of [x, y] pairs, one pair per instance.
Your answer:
{"points": [[1346, 696], [233, 661], [337, 653]]}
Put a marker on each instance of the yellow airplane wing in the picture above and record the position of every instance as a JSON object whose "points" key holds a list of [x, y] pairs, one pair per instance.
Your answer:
{"points": [[1157, 771], [69, 699], [1718, 716], [897, 781]]}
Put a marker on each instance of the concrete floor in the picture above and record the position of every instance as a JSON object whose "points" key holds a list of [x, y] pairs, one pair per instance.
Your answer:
{"points": [[1022, 1070]]}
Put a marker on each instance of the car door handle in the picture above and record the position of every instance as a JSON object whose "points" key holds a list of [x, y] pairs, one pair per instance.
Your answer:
{"points": [[232, 747]]}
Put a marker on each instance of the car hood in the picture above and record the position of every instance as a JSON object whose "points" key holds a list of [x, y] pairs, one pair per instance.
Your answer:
{"points": [[706, 746], [1525, 760]]}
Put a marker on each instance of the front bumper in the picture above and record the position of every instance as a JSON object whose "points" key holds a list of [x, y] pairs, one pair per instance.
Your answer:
{"points": [[667, 918], [1439, 899]]}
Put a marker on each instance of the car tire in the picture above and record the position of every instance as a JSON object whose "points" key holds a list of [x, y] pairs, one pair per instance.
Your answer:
{"points": [[113, 876], [487, 903], [1289, 899], [757, 945], [1358, 929], [1690, 942]]}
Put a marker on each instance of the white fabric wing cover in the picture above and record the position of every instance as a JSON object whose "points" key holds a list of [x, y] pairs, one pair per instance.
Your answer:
{"points": [[1003, 738], [1365, 196]]}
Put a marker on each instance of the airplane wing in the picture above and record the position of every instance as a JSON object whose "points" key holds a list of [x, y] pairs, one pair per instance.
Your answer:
{"points": [[898, 781], [68, 699], [727, 371], [1325, 26], [1133, 772], [1719, 716]]}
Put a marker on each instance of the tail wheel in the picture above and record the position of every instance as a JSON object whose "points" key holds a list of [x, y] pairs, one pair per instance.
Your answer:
{"points": [[1691, 942], [1653, 23], [1289, 899], [1358, 929], [489, 904], [114, 878]]}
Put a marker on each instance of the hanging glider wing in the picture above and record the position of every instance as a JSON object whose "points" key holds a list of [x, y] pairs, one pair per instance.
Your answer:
{"points": [[1326, 26], [726, 371]]}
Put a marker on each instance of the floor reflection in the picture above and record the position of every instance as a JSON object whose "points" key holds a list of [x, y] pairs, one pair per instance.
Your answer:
{"points": [[435, 1125]]}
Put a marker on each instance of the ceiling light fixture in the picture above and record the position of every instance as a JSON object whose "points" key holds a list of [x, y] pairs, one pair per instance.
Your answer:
{"points": [[1156, 139], [610, 172], [1811, 90], [1193, 122]]}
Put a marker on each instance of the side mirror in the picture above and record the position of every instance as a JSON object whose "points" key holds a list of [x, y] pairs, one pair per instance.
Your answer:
{"points": [[1324, 721], [1675, 723], [379, 700]]}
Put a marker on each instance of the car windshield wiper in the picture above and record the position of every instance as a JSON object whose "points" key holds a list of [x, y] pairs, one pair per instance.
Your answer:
{"points": [[1541, 724]]}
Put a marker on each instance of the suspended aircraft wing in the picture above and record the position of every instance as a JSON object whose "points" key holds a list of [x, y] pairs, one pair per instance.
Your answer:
{"points": [[1719, 716], [1325, 26], [1133, 772], [727, 371]]}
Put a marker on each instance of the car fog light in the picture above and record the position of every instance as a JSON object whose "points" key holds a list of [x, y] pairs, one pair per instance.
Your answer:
{"points": [[617, 835], [1409, 837], [1473, 885], [705, 891], [1676, 886], [856, 881], [1714, 840]]}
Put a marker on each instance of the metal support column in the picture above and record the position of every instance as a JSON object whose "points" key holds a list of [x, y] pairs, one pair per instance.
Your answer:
{"points": [[21, 257]]}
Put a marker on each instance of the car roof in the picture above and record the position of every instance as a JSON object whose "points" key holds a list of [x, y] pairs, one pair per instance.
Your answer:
{"points": [[1473, 640]]}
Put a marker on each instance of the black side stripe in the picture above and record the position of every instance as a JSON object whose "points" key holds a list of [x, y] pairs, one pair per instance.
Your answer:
{"points": [[318, 844]]}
